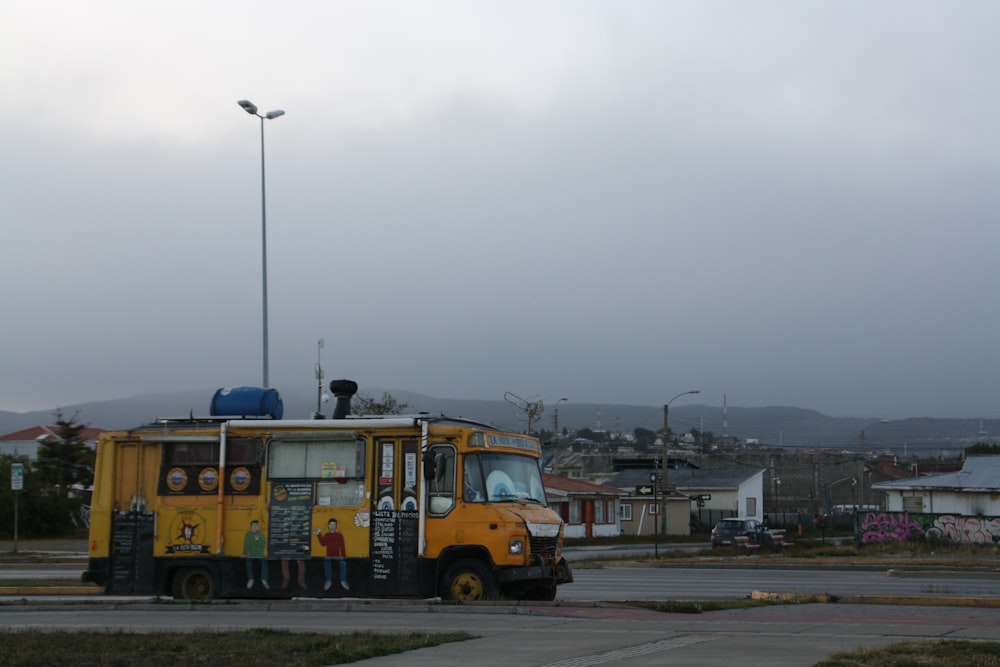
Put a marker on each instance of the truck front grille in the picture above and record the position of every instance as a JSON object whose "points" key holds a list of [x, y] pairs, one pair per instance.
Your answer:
{"points": [[544, 548]]}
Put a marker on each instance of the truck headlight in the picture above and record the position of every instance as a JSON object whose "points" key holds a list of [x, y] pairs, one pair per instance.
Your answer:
{"points": [[515, 547]]}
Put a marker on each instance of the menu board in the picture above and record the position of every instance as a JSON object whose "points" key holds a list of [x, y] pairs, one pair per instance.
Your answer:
{"points": [[290, 520], [383, 550], [409, 528], [132, 553], [394, 538]]}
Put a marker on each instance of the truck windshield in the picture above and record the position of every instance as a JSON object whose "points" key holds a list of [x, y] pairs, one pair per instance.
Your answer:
{"points": [[496, 477]]}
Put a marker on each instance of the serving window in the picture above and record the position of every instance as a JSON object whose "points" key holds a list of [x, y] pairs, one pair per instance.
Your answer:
{"points": [[333, 457]]}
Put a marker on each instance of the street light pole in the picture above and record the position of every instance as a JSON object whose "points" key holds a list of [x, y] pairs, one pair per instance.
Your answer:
{"points": [[319, 380], [555, 436], [666, 455], [251, 109]]}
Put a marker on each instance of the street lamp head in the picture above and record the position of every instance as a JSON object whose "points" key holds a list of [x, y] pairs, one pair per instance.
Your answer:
{"points": [[683, 393], [248, 106], [270, 115]]}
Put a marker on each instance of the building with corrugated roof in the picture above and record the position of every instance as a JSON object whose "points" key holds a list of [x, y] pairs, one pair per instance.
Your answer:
{"points": [[972, 491]]}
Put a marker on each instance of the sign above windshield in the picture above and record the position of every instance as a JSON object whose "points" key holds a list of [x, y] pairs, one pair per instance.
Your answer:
{"points": [[513, 442]]}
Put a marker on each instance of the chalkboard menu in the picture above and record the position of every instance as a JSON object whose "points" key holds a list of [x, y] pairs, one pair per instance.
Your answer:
{"points": [[394, 535], [409, 528], [383, 550], [132, 553], [290, 520]]}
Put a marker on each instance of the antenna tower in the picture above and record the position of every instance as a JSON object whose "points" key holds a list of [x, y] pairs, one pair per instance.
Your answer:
{"points": [[532, 409], [725, 417]]}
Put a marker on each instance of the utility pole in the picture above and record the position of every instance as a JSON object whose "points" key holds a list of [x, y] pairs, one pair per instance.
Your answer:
{"points": [[663, 468]]}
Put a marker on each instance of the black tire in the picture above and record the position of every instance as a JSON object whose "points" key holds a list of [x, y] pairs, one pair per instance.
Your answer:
{"points": [[194, 583], [469, 580]]}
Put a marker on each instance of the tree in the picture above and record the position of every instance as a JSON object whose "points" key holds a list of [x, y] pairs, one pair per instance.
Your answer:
{"points": [[365, 404], [66, 460], [644, 436]]}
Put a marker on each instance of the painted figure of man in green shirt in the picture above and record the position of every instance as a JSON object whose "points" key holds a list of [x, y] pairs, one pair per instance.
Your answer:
{"points": [[254, 547]]}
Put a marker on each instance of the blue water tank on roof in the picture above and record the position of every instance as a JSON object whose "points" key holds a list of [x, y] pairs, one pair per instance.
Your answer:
{"points": [[247, 402]]}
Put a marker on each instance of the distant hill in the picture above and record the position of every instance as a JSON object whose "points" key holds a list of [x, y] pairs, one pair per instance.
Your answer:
{"points": [[773, 426]]}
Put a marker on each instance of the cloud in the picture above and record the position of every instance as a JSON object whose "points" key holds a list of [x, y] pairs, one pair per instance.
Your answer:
{"points": [[791, 205]]}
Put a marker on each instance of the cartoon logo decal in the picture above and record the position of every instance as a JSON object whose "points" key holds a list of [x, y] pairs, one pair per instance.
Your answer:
{"points": [[187, 531]]}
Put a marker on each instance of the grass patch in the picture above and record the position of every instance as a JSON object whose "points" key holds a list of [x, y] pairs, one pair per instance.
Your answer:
{"points": [[249, 648], [929, 653]]}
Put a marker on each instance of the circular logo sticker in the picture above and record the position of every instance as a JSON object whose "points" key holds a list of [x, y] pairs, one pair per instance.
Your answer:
{"points": [[208, 479], [240, 479], [177, 479]]}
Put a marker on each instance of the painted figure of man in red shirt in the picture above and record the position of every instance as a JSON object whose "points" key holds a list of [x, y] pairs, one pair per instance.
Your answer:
{"points": [[335, 551]]}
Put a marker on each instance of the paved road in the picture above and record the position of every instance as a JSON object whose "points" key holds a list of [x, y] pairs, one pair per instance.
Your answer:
{"points": [[681, 582], [689, 582], [553, 635]]}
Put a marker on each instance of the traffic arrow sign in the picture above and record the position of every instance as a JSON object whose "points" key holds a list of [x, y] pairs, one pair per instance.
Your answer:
{"points": [[644, 490]]}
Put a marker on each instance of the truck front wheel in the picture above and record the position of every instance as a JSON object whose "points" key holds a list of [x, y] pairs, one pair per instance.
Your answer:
{"points": [[469, 580]]}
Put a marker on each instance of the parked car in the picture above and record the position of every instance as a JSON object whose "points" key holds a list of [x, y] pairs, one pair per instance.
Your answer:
{"points": [[727, 529]]}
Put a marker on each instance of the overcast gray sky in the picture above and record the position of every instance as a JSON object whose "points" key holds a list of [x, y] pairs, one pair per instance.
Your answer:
{"points": [[790, 203]]}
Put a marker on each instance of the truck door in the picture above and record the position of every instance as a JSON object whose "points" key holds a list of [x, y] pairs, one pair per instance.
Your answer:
{"points": [[132, 526], [395, 518]]}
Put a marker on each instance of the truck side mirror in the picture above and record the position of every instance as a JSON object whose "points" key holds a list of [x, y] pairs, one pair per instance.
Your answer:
{"points": [[429, 466]]}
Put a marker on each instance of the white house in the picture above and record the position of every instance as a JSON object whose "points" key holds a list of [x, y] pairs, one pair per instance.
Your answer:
{"points": [[972, 491], [726, 492]]}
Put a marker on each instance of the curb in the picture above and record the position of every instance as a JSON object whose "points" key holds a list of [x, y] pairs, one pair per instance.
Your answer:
{"points": [[902, 600]]}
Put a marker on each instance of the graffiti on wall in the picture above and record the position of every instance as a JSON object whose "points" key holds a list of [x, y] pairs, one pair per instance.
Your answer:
{"points": [[875, 527]]}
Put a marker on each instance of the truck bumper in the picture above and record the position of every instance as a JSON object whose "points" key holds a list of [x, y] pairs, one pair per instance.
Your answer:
{"points": [[553, 574]]}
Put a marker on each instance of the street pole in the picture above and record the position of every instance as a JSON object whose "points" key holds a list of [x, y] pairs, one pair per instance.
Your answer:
{"points": [[666, 455], [251, 109], [656, 524], [16, 484]]}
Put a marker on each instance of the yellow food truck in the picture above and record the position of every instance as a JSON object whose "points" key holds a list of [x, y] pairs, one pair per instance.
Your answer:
{"points": [[244, 503]]}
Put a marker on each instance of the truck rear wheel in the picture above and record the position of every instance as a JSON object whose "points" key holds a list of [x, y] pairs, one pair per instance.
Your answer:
{"points": [[194, 584], [469, 580]]}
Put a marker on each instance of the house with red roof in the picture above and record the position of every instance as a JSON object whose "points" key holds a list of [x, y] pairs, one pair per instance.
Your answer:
{"points": [[25, 442], [589, 510]]}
